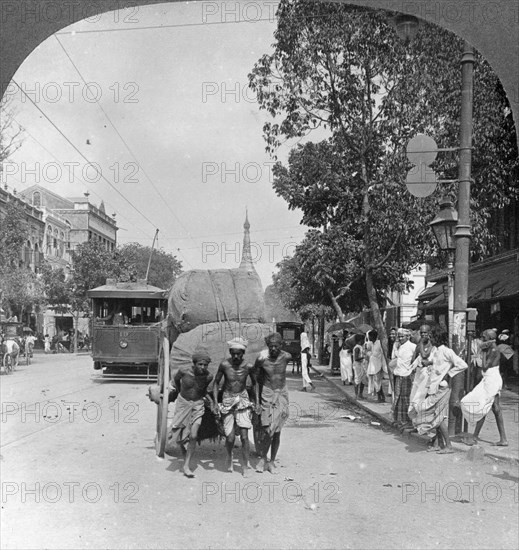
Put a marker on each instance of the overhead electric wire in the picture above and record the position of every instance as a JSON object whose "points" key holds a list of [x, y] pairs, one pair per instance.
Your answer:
{"points": [[75, 178], [172, 26], [165, 201], [83, 156], [187, 25]]}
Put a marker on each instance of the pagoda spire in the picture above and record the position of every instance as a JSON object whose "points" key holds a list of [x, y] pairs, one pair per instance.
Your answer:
{"points": [[246, 255]]}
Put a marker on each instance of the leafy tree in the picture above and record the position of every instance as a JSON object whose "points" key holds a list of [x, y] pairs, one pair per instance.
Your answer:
{"points": [[92, 265], [344, 71], [20, 286], [22, 290], [14, 232], [298, 292], [57, 290], [276, 309], [164, 267]]}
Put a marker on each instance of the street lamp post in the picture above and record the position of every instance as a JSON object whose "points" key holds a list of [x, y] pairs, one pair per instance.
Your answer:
{"points": [[462, 235], [406, 26], [443, 227]]}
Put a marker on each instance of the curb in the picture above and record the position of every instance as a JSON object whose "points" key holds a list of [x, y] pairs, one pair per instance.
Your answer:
{"points": [[416, 437]]}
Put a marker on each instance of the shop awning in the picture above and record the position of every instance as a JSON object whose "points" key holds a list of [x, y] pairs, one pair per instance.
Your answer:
{"points": [[431, 293], [487, 283], [492, 283]]}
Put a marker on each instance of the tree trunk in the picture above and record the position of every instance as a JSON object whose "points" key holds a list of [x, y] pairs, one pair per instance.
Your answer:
{"points": [[370, 287], [75, 331], [321, 337], [377, 317], [336, 306]]}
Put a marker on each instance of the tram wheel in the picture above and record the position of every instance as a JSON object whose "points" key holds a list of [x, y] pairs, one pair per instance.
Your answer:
{"points": [[162, 405]]}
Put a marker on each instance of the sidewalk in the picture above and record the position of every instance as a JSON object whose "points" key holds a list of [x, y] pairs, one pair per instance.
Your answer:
{"points": [[488, 435]]}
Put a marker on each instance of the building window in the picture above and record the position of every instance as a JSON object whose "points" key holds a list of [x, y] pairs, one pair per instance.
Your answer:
{"points": [[36, 199]]}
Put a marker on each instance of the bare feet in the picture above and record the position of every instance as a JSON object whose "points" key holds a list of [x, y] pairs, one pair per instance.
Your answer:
{"points": [[229, 465], [260, 466], [446, 451], [246, 471], [270, 467], [187, 472], [500, 443]]}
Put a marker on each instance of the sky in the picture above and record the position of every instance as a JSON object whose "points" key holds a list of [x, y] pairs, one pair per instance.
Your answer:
{"points": [[167, 132]]}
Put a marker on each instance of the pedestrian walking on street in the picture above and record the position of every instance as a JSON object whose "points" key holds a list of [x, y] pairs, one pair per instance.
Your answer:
{"points": [[376, 365], [359, 366], [485, 396], [392, 346], [334, 354], [305, 361], [47, 342], [420, 363], [346, 360], [506, 360], [403, 378], [429, 412]]}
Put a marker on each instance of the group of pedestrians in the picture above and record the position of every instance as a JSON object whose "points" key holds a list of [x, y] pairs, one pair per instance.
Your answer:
{"points": [[265, 407], [64, 342], [420, 374], [362, 363]]}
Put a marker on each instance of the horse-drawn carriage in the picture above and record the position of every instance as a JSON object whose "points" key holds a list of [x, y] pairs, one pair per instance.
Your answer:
{"points": [[13, 331], [291, 334]]}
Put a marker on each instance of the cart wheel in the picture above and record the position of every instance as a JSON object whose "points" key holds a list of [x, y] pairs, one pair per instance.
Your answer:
{"points": [[162, 406]]}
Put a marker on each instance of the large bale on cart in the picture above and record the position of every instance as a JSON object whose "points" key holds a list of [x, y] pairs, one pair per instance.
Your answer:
{"points": [[199, 297], [214, 338]]}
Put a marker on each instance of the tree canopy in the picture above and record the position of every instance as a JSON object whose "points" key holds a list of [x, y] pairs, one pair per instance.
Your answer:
{"points": [[164, 267], [344, 72]]}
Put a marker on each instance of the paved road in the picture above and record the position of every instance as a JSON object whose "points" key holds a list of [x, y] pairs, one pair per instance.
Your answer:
{"points": [[79, 470]]}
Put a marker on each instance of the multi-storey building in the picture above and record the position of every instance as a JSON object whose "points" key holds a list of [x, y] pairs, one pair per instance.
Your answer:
{"points": [[66, 223], [31, 255], [85, 221]]}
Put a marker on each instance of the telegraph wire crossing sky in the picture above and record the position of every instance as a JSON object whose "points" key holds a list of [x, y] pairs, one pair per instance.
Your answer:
{"points": [[159, 123]]}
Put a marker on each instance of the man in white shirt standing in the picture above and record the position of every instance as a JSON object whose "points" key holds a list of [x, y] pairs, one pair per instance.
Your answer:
{"points": [[403, 375]]}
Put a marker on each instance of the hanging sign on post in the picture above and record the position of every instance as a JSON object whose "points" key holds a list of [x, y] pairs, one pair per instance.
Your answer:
{"points": [[421, 180]]}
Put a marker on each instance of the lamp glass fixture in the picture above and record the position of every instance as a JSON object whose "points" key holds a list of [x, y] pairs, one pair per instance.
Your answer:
{"points": [[444, 225]]}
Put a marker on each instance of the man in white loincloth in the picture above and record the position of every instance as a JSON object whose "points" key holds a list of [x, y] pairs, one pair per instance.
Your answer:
{"points": [[485, 396], [236, 407]]}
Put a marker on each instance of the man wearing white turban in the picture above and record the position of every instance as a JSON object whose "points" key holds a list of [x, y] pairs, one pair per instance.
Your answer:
{"points": [[236, 407]]}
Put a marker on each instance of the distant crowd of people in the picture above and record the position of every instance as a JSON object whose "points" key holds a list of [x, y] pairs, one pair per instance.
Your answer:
{"points": [[63, 342]]}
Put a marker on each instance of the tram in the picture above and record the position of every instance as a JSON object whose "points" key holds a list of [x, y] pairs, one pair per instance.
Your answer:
{"points": [[128, 323]]}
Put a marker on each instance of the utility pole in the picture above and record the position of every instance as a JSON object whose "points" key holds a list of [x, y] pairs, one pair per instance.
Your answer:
{"points": [[462, 234]]}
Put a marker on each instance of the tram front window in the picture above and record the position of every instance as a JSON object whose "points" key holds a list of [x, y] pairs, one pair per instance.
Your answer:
{"points": [[112, 313]]}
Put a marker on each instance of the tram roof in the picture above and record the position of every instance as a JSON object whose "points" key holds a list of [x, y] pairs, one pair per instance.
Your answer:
{"points": [[127, 290]]}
